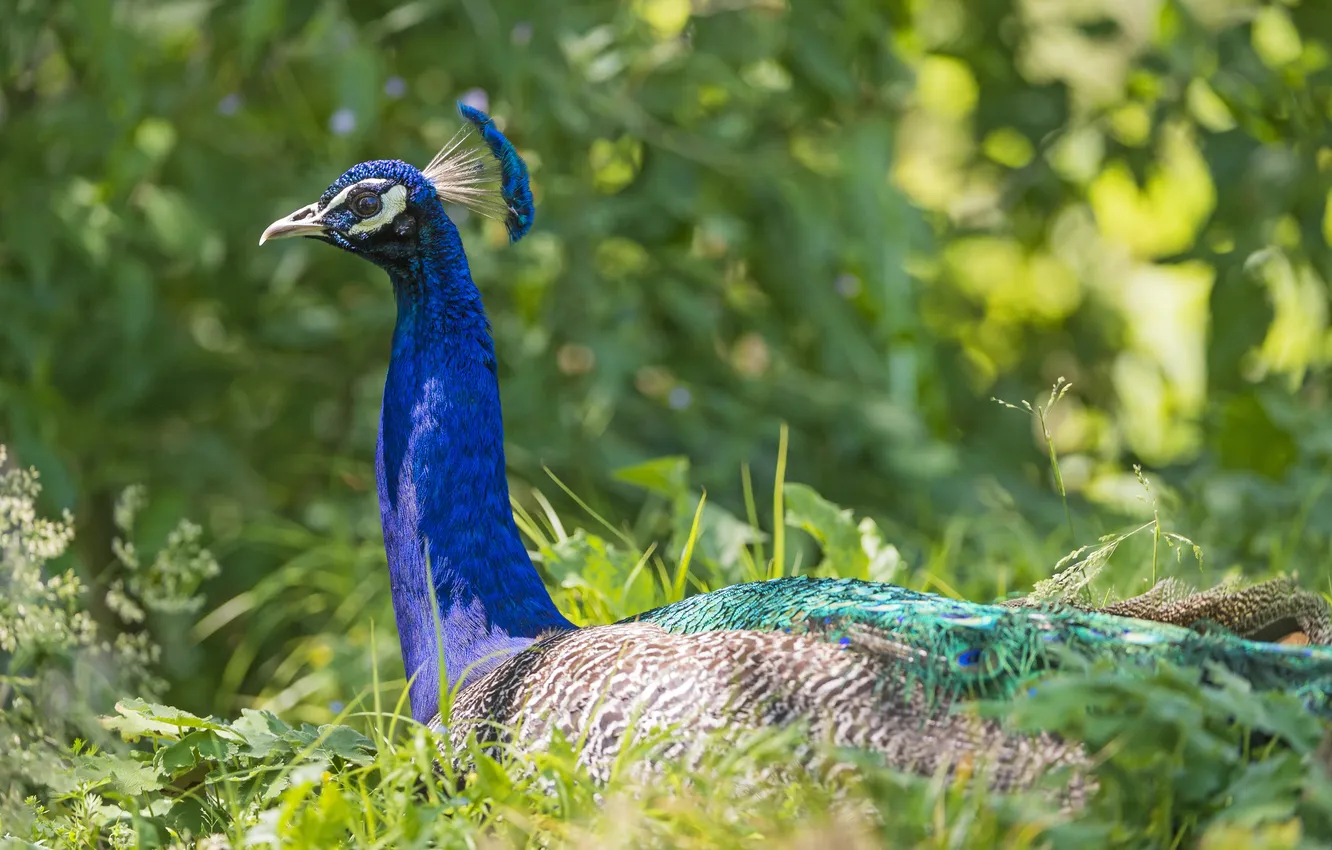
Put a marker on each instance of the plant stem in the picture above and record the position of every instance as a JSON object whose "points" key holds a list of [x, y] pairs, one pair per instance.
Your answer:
{"points": [[778, 510]]}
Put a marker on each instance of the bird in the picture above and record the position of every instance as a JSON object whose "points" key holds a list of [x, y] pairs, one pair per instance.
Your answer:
{"points": [[854, 664]]}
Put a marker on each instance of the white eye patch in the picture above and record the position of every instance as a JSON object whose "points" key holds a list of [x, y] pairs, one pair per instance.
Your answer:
{"points": [[392, 202], [375, 183]]}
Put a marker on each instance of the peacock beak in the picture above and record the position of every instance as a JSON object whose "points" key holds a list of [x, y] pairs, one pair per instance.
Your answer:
{"points": [[304, 222]]}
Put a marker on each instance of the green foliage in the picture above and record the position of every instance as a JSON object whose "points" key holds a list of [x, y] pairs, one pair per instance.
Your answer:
{"points": [[1167, 727], [198, 777], [169, 584], [60, 667]]}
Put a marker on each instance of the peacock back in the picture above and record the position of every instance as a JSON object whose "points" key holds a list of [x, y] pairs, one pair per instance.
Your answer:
{"points": [[872, 667]]}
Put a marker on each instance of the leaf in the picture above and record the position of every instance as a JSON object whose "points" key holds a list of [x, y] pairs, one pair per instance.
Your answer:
{"points": [[126, 775], [263, 733], [347, 744], [1264, 791], [586, 561], [196, 748], [140, 719], [668, 475], [189, 813], [302, 737], [850, 548], [882, 559], [1282, 715], [329, 740]]}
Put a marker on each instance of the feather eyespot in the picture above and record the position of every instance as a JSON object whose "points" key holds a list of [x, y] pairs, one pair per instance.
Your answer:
{"points": [[969, 657], [365, 204]]}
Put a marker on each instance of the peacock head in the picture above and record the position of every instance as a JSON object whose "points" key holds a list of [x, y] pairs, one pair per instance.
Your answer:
{"points": [[385, 210]]}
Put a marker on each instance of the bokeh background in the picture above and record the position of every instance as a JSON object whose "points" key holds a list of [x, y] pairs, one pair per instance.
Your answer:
{"points": [[864, 218]]}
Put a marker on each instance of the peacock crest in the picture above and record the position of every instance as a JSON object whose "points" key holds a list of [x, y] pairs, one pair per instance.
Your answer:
{"points": [[480, 170]]}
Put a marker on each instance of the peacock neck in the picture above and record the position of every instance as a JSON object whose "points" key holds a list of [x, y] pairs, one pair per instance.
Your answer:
{"points": [[444, 498]]}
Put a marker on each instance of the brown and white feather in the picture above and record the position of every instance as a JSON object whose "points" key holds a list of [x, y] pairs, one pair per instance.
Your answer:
{"points": [[608, 686]]}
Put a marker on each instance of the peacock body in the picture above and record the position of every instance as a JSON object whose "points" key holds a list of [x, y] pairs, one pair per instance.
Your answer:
{"points": [[694, 692], [870, 666]]}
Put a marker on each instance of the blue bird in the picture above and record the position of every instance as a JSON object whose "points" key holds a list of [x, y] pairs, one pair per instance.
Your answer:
{"points": [[872, 666]]}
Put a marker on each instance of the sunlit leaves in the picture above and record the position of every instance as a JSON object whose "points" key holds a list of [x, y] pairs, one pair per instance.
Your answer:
{"points": [[1275, 37], [614, 163], [1298, 336], [1163, 216], [1008, 147], [1207, 109], [1161, 373], [946, 87], [666, 17]]}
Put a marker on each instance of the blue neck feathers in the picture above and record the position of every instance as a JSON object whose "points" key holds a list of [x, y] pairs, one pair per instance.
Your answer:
{"points": [[443, 496]]}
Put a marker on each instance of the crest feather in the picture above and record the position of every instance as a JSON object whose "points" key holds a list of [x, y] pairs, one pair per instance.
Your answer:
{"points": [[479, 169]]}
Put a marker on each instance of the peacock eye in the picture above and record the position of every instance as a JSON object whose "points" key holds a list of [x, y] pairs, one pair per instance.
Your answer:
{"points": [[366, 204]]}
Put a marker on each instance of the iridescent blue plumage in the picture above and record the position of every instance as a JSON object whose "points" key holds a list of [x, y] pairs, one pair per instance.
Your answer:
{"points": [[457, 566], [866, 665], [514, 188]]}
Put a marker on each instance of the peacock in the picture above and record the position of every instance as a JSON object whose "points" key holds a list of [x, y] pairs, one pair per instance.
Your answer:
{"points": [[856, 664]]}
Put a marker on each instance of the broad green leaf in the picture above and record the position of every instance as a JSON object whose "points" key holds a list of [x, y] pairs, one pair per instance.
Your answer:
{"points": [[140, 719], [346, 743], [263, 732], [668, 476], [125, 775], [194, 749], [850, 548]]}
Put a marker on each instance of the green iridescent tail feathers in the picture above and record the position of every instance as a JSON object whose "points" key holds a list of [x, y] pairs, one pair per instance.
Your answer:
{"points": [[962, 649]]}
